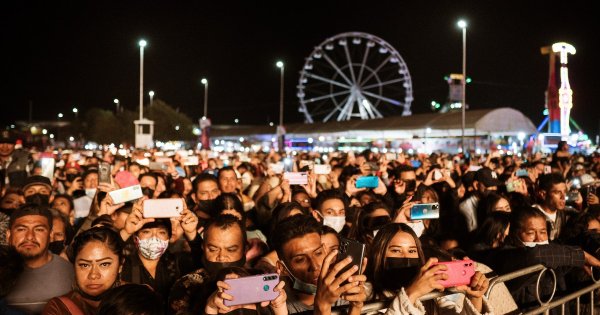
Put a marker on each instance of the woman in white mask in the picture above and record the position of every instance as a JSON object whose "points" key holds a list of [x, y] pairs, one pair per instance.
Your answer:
{"points": [[331, 210], [151, 263]]}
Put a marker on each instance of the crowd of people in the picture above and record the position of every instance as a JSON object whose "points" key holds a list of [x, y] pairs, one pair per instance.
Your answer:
{"points": [[67, 247]]}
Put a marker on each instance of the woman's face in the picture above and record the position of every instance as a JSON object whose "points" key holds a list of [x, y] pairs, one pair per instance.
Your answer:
{"points": [[330, 242], [428, 197], [11, 201], [96, 268], [402, 245], [502, 205], [62, 204], [160, 232]]}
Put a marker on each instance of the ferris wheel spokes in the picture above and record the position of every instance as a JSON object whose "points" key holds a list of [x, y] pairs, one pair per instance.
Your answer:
{"points": [[320, 98], [337, 69], [383, 98], [364, 61], [318, 77], [379, 84], [376, 70]]}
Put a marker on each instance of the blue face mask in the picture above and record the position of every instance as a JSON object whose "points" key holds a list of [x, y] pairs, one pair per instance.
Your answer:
{"points": [[300, 285]]}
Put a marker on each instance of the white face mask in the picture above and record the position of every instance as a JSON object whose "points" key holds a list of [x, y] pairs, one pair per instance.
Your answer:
{"points": [[417, 226], [534, 244], [152, 248], [337, 223], [90, 192]]}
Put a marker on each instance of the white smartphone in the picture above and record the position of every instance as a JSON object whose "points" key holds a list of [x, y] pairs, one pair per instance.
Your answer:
{"points": [[276, 168], [322, 169], [163, 208], [48, 167], [191, 160], [126, 194], [296, 178]]}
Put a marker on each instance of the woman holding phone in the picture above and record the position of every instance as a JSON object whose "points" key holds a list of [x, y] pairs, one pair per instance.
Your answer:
{"points": [[398, 271], [97, 256]]}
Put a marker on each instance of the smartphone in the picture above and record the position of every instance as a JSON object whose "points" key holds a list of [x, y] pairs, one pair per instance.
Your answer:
{"points": [[459, 272], [126, 194], [572, 195], [367, 182], [191, 160], [104, 173], [322, 169], [437, 174], [157, 166], [373, 166], [522, 173], [547, 169], [276, 168], [304, 163], [296, 178], [163, 208], [422, 211], [288, 164], [47, 164], [512, 185], [391, 156], [252, 289], [415, 163], [474, 168], [354, 249]]}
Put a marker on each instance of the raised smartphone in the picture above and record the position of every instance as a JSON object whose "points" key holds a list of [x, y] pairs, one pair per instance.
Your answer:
{"points": [[322, 169], [421, 211], [522, 173], [104, 175], [276, 168], [252, 289], [437, 174], [126, 194], [354, 249], [296, 178], [547, 169], [513, 185], [157, 166], [163, 208], [304, 163], [47, 164], [367, 182], [459, 272]]}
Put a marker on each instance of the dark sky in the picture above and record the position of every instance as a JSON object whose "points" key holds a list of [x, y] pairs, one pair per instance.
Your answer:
{"points": [[60, 56]]}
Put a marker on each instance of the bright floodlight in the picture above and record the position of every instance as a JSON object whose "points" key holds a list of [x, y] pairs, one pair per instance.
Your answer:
{"points": [[142, 43], [462, 24], [279, 64], [75, 110], [203, 81], [151, 93], [116, 101], [60, 115]]}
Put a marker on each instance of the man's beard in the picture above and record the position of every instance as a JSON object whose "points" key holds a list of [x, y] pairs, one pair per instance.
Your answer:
{"points": [[31, 253]]}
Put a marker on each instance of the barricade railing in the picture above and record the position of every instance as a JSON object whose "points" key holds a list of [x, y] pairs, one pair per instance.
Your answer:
{"points": [[379, 305], [562, 302]]}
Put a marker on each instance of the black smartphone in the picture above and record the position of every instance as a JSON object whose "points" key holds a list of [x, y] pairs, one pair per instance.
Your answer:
{"points": [[354, 249]]}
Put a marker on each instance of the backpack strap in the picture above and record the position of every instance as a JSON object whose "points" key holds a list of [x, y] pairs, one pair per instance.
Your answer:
{"points": [[71, 306]]}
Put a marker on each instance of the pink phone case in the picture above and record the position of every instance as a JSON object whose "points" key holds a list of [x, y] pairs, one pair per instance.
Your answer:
{"points": [[459, 272], [252, 289]]}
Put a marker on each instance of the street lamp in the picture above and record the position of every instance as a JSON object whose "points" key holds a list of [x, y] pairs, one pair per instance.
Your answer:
{"points": [[60, 115], [281, 66], [205, 82], [75, 111], [151, 93], [463, 24], [116, 101], [142, 43]]}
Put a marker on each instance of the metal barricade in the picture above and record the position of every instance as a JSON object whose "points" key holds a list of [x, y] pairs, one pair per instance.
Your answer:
{"points": [[562, 302]]}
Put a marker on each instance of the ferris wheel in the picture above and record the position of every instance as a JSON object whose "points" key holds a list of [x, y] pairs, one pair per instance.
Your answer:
{"points": [[354, 75]]}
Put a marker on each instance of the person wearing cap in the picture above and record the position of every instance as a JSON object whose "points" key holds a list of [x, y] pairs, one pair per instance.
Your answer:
{"points": [[46, 275], [485, 180], [38, 190], [14, 164]]}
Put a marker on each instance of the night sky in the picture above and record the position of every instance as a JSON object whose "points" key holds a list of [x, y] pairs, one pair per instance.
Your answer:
{"points": [[59, 56]]}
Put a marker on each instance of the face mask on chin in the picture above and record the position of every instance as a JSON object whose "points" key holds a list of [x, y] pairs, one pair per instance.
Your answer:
{"points": [[148, 192], [534, 244], [90, 192], [38, 199], [299, 285], [205, 205], [56, 247]]}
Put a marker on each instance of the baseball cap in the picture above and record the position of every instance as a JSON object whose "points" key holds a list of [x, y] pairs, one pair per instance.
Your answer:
{"points": [[487, 177], [6, 136], [37, 180]]}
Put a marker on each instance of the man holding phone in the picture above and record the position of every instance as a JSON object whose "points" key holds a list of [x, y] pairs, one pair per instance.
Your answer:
{"points": [[315, 277]]}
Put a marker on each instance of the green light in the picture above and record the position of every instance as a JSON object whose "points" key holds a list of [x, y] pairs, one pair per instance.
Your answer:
{"points": [[469, 80], [545, 112]]}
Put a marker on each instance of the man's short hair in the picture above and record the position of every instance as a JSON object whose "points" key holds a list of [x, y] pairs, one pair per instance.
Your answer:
{"points": [[148, 174], [547, 181], [89, 172], [328, 195], [293, 227], [225, 169], [203, 178], [224, 222], [31, 209]]}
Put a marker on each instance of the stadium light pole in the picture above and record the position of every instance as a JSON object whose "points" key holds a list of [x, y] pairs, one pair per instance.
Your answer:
{"points": [[116, 101], [281, 139], [204, 81], [142, 43], [463, 25]]}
